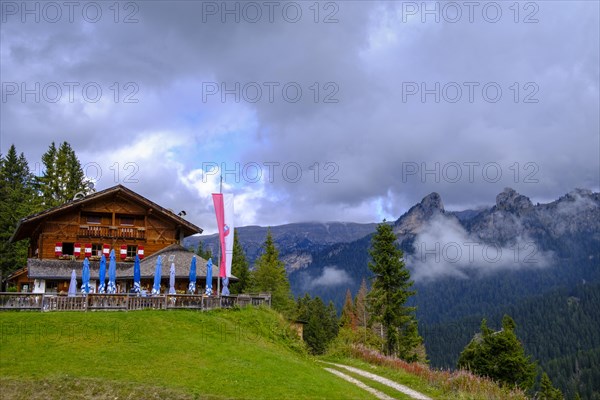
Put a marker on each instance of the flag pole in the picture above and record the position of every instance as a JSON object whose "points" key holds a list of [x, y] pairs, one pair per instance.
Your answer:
{"points": [[220, 248]]}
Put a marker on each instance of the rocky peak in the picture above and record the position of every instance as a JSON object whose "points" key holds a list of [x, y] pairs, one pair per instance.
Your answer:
{"points": [[432, 202], [414, 219], [511, 201]]}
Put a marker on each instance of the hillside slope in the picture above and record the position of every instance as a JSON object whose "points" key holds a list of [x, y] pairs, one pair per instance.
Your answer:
{"points": [[241, 354]]}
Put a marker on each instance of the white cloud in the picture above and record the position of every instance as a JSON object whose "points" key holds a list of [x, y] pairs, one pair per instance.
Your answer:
{"points": [[330, 276]]}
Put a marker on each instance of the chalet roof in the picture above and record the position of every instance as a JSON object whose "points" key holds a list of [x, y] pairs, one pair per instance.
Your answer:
{"points": [[176, 254], [16, 273], [29, 223]]}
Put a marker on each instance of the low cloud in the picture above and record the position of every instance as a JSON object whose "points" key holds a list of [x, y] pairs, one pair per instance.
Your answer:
{"points": [[578, 204], [445, 249], [330, 276]]}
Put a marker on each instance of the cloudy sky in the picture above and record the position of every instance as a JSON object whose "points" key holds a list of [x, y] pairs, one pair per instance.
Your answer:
{"points": [[311, 111]]}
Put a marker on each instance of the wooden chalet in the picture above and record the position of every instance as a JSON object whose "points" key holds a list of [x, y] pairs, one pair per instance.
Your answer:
{"points": [[115, 218]]}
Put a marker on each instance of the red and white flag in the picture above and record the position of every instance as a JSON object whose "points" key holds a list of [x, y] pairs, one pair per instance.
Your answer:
{"points": [[224, 211]]}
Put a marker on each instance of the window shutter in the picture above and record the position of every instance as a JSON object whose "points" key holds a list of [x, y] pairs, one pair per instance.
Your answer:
{"points": [[141, 252], [123, 251], [88, 249], [106, 250], [58, 249], [77, 249]]}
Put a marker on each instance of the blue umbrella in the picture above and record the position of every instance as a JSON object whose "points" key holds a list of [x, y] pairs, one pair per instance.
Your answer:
{"points": [[209, 277], [136, 274], [225, 291], [192, 286], [102, 274], [112, 273], [73, 285], [85, 277], [172, 279], [157, 272]]}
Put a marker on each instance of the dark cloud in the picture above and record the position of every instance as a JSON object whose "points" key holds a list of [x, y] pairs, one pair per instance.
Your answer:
{"points": [[363, 149]]}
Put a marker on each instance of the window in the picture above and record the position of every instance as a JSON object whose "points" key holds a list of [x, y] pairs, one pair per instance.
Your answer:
{"points": [[94, 219], [97, 249], [67, 248], [131, 251], [51, 287], [127, 221]]}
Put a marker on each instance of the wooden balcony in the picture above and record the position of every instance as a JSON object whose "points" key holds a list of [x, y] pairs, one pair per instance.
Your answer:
{"points": [[112, 232]]}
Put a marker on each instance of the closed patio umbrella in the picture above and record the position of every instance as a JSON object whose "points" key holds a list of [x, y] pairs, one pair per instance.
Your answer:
{"points": [[112, 273], [136, 275], [172, 279], [85, 277], [209, 277], [102, 274], [225, 291], [157, 272], [192, 286], [73, 285]]}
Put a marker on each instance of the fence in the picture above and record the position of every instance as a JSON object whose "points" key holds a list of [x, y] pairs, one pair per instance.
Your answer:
{"points": [[126, 302]]}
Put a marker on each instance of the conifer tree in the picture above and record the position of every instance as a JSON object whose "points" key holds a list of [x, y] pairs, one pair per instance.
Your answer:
{"points": [[348, 319], [63, 176], [499, 355], [303, 308], [206, 254], [269, 276], [390, 292], [360, 305], [239, 267], [315, 334], [332, 323], [17, 200], [547, 390]]}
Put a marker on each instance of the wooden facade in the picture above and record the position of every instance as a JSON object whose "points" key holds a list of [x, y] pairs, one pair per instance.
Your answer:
{"points": [[113, 219]]}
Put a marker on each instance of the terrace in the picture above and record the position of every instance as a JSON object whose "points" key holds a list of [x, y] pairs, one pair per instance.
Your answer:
{"points": [[126, 302]]}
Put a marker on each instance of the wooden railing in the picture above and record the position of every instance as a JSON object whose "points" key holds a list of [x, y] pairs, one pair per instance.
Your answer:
{"points": [[126, 302], [106, 231], [21, 301]]}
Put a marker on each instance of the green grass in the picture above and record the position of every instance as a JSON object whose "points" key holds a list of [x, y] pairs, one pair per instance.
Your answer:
{"points": [[396, 375], [243, 354], [437, 384]]}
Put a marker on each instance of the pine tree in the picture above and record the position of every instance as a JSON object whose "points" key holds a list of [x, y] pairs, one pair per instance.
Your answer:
{"points": [[48, 183], [360, 305], [332, 322], [547, 390], [348, 319], [239, 267], [322, 323], [270, 276], [63, 176], [315, 331], [499, 355], [17, 200], [390, 292], [303, 308], [206, 254]]}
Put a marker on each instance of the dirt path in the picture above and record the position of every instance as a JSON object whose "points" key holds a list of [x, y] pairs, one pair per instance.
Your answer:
{"points": [[374, 392], [384, 381]]}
